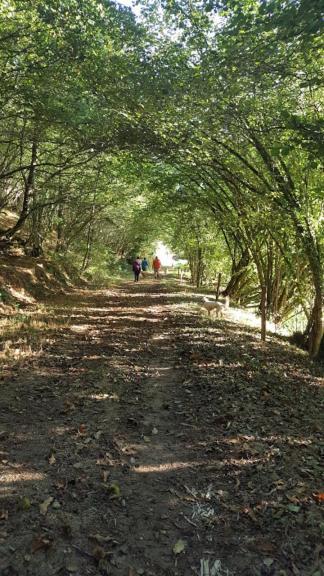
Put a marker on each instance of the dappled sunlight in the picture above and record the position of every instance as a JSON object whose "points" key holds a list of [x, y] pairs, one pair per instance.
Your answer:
{"points": [[248, 318], [19, 350], [160, 336], [133, 319], [8, 477], [59, 430], [14, 475], [80, 328], [113, 397], [178, 413], [165, 467]]}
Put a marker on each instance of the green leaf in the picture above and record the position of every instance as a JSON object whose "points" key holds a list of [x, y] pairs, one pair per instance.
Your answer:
{"points": [[293, 508], [179, 546]]}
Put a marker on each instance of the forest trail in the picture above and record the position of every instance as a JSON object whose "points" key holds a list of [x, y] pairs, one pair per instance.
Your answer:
{"points": [[141, 438]]}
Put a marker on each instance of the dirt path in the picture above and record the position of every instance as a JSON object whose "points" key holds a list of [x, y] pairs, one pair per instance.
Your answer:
{"points": [[140, 438]]}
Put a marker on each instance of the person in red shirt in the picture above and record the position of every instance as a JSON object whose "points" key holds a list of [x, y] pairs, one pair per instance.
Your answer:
{"points": [[156, 265]]}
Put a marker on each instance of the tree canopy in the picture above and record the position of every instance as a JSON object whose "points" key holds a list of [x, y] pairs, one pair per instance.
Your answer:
{"points": [[198, 122]]}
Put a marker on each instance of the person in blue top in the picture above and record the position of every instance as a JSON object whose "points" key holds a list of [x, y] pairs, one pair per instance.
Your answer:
{"points": [[144, 266]]}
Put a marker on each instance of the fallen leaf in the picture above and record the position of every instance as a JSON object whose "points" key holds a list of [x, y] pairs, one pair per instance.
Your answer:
{"points": [[25, 503], [43, 507], [4, 514], [114, 488], [251, 514], [319, 496], [179, 546], [52, 459], [100, 539], [61, 484], [82, 429], [104, 475], [107, 460], [40, 543], [99, 553], [293, 508]]}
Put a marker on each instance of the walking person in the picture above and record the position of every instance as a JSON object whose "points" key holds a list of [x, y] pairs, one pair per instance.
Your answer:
{"points": [[145, 265], [137, 266], [156, 265]]}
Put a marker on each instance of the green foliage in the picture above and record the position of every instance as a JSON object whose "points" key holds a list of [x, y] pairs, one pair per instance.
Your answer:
{"points": [[199, 125]]}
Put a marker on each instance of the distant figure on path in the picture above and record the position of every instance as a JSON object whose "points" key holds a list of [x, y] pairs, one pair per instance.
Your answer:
{"points": [[145, 265], [137, 266], [156, 267]]}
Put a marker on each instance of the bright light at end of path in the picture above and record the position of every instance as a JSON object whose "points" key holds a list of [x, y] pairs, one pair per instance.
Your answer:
{"points": [[164, 254]]}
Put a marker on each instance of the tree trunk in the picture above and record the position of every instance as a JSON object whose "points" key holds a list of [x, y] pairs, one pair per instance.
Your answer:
{"points": [[87, 252], [309, 242], [219, 279], [199, 267], [191, 267], [36, 239], [86, 258], [59, 228], [263, 310], [313, 252], [239, 274], [36, 221], [59, 231], [28, 190], [315, 332]]}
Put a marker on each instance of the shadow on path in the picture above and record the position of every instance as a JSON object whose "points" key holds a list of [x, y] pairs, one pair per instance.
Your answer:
{"points": [[140, 423]]}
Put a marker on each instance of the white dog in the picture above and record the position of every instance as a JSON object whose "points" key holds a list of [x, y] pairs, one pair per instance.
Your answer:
{"points": [[215, 305]]}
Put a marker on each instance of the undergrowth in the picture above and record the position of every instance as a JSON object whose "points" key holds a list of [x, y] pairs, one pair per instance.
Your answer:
{"points": [[24, 334]]}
